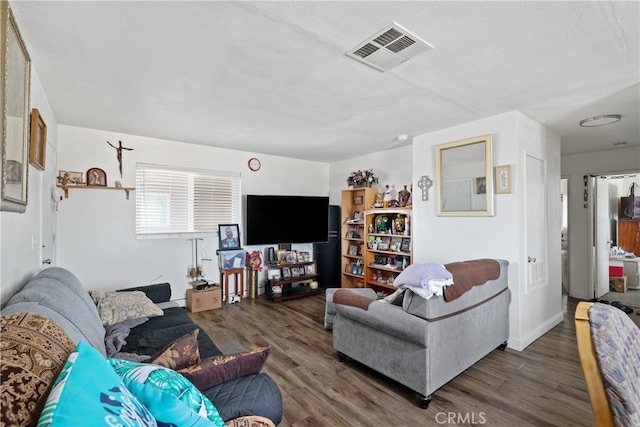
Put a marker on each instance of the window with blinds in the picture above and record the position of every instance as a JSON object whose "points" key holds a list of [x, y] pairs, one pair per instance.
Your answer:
{"points": [[178, 202]]}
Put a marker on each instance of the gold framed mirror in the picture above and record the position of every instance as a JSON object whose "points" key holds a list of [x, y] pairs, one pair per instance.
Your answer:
{"points": [[465, 177], [15, 71]]}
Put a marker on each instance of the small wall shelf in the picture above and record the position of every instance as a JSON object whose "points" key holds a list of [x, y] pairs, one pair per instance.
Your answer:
{"points": [[95, 187]]}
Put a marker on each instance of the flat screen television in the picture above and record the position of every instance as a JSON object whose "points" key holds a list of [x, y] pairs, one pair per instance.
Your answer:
{"points": [[286, 219]]}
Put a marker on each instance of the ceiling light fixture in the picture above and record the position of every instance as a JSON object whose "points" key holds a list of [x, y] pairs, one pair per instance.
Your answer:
{"points": [[402, 137], [605, 119]]}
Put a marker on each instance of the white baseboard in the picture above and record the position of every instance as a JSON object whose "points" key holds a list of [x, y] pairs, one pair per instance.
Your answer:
{"points": [[519, 344]]}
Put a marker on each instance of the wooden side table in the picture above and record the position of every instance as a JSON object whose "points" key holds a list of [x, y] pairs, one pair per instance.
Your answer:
{"points": [[238, 274]]}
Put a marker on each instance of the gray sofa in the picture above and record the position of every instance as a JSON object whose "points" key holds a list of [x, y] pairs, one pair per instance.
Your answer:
{"points": [[58, 294], [423, 344]]}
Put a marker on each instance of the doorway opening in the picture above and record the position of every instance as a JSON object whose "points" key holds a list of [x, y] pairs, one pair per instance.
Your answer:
{"points": [[608, 235]]}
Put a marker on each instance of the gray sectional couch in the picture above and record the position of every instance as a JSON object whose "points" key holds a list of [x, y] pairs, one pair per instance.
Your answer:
{"points": [[58, 294], [423, 344]]}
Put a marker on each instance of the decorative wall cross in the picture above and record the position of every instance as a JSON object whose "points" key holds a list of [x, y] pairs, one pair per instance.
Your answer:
{"points": [[425, 183], [119, 149]]}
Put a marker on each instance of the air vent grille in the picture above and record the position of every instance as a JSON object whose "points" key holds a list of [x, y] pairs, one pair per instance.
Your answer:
{"points": [[389, 48]]}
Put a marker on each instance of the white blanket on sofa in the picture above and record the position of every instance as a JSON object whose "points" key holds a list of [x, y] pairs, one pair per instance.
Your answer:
{"points": [[426, 280]]}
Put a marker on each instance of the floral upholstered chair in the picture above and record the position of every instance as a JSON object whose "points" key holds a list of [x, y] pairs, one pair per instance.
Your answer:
{"points": [[609, 347]]}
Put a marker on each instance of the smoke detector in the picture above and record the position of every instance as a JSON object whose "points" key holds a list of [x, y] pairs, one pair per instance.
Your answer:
{"points": [[389, 48]]}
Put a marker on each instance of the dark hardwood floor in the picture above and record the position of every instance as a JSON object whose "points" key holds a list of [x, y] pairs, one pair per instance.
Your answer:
{"points": [[540, 386]]}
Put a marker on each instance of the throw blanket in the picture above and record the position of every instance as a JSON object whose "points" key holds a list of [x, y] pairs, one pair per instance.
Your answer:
{"points": [[467, 274], [115, 335], [426, 279], [346, 297]]}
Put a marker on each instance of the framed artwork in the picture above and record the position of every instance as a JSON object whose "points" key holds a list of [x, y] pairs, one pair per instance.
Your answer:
{"points": [[503, 179], [286, 273], [353, 250], [228, 236], [292, 257], [481, 185], [96, 177], [14, 147], [281, 256], [295, 272], [232, 259], [70, 178], [38, 143], [357, 200]]}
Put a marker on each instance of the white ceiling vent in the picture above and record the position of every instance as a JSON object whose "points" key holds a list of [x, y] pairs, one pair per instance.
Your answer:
{"points": [[389, 48]]}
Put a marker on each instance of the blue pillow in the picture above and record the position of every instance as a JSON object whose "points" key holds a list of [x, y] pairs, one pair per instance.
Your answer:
{"points": [[167, 381], [88, 392]]}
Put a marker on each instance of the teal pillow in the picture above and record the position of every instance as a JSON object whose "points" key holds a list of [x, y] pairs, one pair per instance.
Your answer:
{"points": [[169, 382], [88, 392]]}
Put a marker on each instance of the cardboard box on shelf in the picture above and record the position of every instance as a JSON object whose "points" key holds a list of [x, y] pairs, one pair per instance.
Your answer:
{"points": [[618, 284], [206, 299]]}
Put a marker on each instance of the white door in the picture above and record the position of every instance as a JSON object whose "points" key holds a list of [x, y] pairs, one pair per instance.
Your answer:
{"points": [[537, 263], [49, 214], [600, 236]]}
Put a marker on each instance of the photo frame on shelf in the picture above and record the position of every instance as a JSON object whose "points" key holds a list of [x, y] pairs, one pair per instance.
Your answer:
{"points": [[358, 216], [273, 274], [357, 200], [96, 177], [295, 272], [304, 256], [353, 250], [292, 257], [38, 140], [70, 178], [286, 273], [16, 85], [281, 256], [310, 269], [228, 236], [405, 246], [503, 179]]}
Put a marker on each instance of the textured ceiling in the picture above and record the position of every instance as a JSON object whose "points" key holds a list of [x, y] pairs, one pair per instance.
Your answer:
{"points": [[272, 77]]}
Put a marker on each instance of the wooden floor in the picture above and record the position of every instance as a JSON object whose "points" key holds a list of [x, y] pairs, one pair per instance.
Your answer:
{"points": [[540, 386]]}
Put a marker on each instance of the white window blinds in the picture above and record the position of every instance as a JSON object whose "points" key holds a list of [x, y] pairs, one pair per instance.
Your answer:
{"points": [[173, 201]]}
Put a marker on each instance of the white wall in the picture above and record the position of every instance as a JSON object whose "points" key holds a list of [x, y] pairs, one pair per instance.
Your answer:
{"points": [[96, 229], [574, 168], [20, 246], [447, 239]]}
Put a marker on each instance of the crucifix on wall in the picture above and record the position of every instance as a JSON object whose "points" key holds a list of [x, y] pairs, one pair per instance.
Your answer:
{"points": [[119, 149]]}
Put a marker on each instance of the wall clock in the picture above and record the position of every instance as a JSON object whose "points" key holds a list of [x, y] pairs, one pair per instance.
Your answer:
{"points": [[254, 164]]}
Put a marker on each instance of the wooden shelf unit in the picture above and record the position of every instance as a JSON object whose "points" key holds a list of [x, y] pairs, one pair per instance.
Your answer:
{"points": [[352, 264], [387, 252], [288, 290], [95, 187]]}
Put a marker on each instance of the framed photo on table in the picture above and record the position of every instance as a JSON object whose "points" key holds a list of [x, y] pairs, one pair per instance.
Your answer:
{"points": [[228, 236]]}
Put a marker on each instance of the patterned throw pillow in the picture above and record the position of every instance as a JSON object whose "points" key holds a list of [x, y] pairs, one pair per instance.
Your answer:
{"points": [[168, 381], [180, 354], [34, 350], [88, 392], [115, 307], [211, 372]]}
